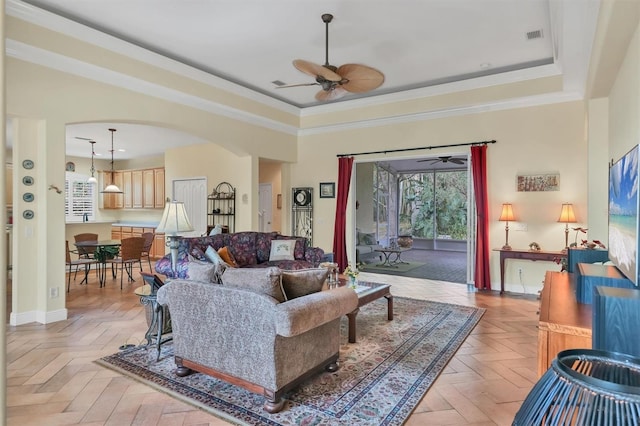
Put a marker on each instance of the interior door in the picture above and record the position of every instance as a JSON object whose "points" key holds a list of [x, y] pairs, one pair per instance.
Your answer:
{"points": [[193, 193], [265, 206]]}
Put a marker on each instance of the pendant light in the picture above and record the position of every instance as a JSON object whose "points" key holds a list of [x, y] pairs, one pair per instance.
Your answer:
{"points": [[112, 188], [92, 180]]}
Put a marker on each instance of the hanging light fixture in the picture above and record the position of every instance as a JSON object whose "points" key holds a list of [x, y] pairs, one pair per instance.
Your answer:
{"points": [[92, 180], [112, 188]]}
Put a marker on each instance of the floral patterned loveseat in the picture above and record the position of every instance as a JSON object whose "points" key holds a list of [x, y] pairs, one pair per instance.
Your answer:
{"points": [[250, 249]]}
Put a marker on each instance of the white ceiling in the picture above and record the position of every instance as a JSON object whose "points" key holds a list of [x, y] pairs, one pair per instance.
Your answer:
{"points": [[414, 43]]}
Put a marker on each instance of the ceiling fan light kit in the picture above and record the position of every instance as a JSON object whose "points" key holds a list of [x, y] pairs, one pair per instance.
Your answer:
{"points": [[337, 81]]}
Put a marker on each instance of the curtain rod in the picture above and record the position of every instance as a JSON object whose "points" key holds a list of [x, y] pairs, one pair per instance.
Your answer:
{"points": [[387, 151]]}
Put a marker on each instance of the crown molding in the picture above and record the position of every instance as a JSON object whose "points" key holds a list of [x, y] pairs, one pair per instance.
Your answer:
{"points": [[73, 66], [523, 102]]}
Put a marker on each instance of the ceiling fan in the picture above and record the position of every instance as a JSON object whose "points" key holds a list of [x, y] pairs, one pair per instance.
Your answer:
{"points": [[444, 159], [337, 81]]}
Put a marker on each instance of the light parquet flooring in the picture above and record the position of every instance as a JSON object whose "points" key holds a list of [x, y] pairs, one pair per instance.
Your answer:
{"points": [[52, 379]]}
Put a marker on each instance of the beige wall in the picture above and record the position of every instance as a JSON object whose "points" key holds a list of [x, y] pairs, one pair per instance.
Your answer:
{"points": [[624, 103], [544, 139]]}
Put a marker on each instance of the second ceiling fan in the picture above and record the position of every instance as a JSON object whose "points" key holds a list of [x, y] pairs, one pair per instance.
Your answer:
{"points": [[337, 81]]}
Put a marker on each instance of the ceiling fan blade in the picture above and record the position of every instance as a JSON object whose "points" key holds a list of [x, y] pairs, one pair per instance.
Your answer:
{"points": [[330, 95], [315, 70], [82, 139], [296, 85], [360, 78], [456, 160]]}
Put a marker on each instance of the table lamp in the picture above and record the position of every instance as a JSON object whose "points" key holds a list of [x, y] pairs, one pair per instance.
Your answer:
{"points": [[567, 216], [506, 216], [174, 221]]}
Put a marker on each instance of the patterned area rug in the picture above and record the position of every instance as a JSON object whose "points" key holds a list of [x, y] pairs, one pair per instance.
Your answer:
{"points": [[381, 378]]}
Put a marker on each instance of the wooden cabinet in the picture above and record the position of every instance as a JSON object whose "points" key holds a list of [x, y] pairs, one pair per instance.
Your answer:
{"points": [[148, 189], [121, 232], [136, 178], [564, 323], [142, 189], [112, 201], [158, 178], [158, 250], [127, 200]]}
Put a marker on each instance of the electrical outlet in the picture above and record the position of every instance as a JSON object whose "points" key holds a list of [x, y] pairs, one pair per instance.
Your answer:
{"points": [[53, 292]]}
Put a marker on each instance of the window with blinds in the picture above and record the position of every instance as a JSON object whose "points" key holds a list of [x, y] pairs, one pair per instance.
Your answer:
{"points": [[80, 198]]}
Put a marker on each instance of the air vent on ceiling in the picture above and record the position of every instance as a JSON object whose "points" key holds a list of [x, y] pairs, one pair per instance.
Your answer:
{"points": [[279, 83], [531, 35]]}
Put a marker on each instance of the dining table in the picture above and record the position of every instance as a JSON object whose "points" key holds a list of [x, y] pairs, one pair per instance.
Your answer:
{"points": [[92, 246]]}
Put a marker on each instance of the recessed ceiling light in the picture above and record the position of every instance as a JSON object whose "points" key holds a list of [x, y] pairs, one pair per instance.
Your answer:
{"points": [[278, 82], [122, 150], [485, 65]]}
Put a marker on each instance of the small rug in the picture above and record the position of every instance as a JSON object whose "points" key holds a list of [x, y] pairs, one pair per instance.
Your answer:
{"points": [[381, 378], [398, 267]]}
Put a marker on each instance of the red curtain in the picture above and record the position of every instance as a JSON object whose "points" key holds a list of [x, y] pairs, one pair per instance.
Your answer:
{"points": [[479, 171], [345, 165]]}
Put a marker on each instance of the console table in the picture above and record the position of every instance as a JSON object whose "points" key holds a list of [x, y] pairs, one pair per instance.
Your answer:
{"points": [[549, 256]]}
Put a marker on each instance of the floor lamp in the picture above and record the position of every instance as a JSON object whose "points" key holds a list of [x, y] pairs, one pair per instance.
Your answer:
{"points": [[174, 221], [567, 216], [506, 216]]}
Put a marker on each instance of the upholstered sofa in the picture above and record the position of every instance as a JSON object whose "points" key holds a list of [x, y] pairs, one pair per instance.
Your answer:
{"points": [[250, 333], [249, 249]]}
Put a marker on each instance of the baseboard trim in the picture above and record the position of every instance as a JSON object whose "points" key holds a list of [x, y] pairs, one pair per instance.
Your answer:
{"points": [[37, 316]]}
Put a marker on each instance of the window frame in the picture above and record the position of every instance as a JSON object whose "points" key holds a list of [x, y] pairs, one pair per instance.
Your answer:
{"points": [[77, 198]]}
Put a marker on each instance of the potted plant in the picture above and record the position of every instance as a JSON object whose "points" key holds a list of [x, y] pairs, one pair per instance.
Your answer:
{"points": [[108, 252]]}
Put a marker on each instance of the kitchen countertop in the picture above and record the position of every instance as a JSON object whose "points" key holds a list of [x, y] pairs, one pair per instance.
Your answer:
{"points": [[91, 222], [137, 224]]}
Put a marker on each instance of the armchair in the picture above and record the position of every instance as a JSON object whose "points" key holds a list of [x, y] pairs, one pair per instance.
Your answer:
{"points": [[251, 340]]}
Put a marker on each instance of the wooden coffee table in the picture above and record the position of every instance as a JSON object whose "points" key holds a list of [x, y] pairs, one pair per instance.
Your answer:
{"points": [[367, 293]]}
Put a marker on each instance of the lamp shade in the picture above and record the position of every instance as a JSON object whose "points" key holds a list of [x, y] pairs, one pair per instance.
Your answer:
{"points": [[566, 214], [174, 219], [507, 213]]}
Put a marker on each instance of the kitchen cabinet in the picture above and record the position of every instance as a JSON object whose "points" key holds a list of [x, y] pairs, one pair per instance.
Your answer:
{"points": [[127, 199], [158, 178], [142, 189], [136, 179], [112, 201], [121, 232], [148, 189]]}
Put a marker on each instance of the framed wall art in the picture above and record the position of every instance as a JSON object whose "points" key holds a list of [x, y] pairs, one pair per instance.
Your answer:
{"points": [[538, 183], [327, 190]]}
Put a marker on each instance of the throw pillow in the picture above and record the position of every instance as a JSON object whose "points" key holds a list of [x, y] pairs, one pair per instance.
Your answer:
{"points": [[201, 271], [282, 250], [226, 255], [212, 255], [259, 280], [215, 230], [303, 281]]}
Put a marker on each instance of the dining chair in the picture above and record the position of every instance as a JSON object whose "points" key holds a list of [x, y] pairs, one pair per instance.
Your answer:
{"points": [[83, 251], [130, 253], [82, 261], [146, 250]]}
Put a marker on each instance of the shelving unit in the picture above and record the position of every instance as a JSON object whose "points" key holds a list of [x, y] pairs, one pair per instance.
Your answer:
{"points": [[221, 208]]}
